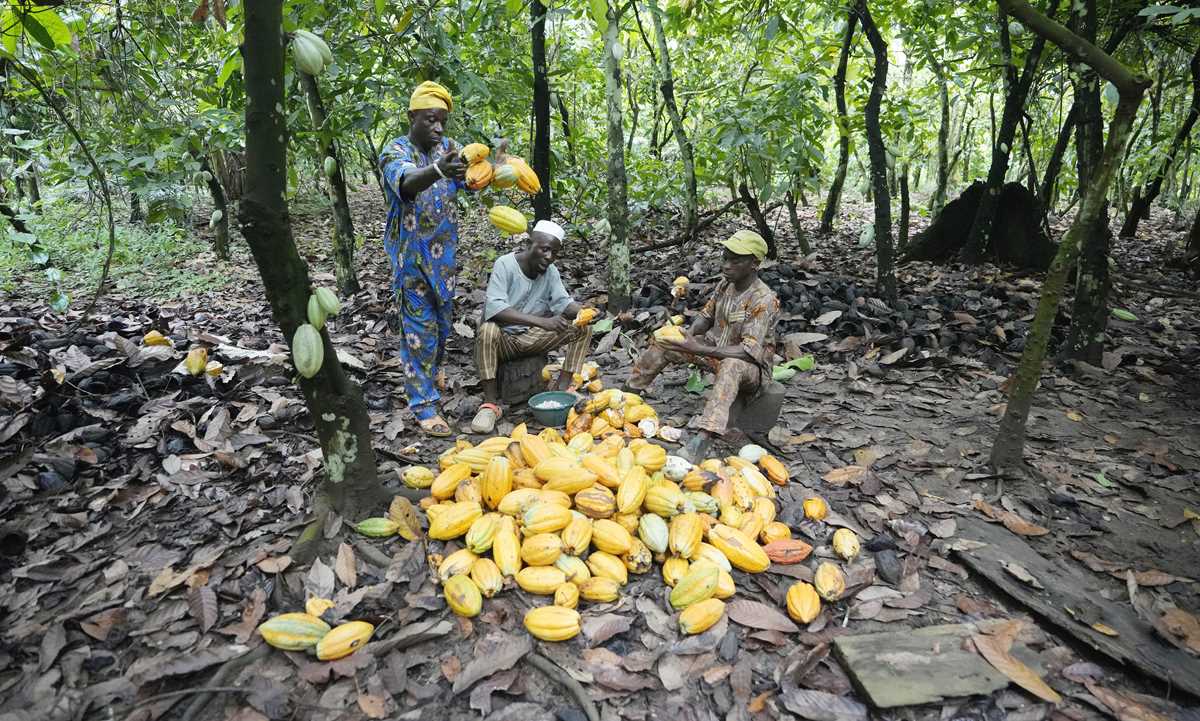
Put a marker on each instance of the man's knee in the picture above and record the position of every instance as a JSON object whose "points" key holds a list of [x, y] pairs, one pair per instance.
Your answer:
{"points": [[735, 367], [488, 334]]}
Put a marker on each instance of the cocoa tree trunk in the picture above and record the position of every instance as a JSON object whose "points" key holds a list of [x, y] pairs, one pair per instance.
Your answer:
{"points": [[221, 230], [885, 273], [794, 217], [760, 218], [905, 210], [620, 290], [843, 127], [1016, 89], [1008, 449], [351, 484], [542, 208], [1142, 201], [1054, 164], [667, 86], [938, 199], [343, 226], [565, 118]]}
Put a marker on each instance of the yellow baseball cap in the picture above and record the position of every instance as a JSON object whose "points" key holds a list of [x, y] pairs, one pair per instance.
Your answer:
{"points": [[746, 242]]}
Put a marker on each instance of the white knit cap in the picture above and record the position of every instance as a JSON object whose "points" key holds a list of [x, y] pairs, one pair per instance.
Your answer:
{"points": [[549, 228]]}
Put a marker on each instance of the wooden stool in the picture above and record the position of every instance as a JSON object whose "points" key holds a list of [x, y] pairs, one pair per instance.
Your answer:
{"points": [[757, 412], [521, 378]]}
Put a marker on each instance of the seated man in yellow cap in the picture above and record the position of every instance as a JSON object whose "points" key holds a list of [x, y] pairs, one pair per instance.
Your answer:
{"points": [[734, 336], [422, 172], [527, 312]]}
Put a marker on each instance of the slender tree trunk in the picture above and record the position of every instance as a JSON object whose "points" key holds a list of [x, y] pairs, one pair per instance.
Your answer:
{"points": [[136, 214], [542, 206], [620, 289], [351, 485], [565, 117], [938, 200], [1142, 201], [905, 210], [667, 86], [1054, 164], [221, 230], [884, 254], [794, 217], [343, 226], [1016, 89], [843, 127], [35, 191], [760, 218], [1008, 449], [1089, 311], [1192, 251]]}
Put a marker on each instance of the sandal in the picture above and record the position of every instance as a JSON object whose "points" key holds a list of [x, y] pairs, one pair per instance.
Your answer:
{"points": [[485, 419], [435, 426]]}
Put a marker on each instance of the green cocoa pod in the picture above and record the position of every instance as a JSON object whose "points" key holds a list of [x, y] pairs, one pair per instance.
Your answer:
{"points": [[316, 314], [330, 167], [328, 301], [377, 527], [308, 352]]}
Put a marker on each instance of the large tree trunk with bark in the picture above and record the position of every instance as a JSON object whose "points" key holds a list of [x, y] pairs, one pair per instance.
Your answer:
{"points": [[542, 208], [1142, 201], [620, 288], [885, 273], [343, 226], [1008, 449], [1016, 90], [667, 85], [351, 484], [843, 127]]}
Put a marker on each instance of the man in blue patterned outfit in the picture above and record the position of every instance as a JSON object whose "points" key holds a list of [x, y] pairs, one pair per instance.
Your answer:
{"points": [[422, 172]]}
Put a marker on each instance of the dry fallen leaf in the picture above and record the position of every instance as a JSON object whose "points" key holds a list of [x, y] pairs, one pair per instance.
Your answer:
{"points": [[1011, 521], [344, 566], [844, 475], [1123, 707], [1184, 626], [995, 650], [758, 615]]}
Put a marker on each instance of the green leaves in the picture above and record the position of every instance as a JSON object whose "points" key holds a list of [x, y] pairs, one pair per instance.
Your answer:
{"points": [[785, 372], [43, 25], [599, 11], [696, 382]]}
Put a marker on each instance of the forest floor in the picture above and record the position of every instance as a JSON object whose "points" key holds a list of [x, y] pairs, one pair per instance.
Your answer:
{"points": [[147, 514]]}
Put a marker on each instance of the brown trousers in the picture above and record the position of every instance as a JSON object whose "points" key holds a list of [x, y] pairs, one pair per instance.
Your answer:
{"points": [[732, 377], [493, 346]]}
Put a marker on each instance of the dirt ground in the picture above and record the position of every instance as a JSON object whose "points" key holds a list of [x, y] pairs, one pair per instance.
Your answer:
{"points": [[147, 514]]}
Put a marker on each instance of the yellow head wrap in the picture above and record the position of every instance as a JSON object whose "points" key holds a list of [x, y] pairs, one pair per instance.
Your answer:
{"points": [[430, 95], [747, 242]]}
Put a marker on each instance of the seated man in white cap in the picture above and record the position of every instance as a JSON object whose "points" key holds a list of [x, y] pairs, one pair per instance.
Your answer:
{"points": [[734, 337], [527, 312]]}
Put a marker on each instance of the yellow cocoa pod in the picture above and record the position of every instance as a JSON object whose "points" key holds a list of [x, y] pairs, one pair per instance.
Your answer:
{"points": [[197, 359], [774, 469], [512, 452], [567, 595], [527, 179], [541, 580], [669, 333], [725, 586], [651, 457], [632, 491], [585, 317], [596, 502], [486, 575], [557, 498], [293, 631], [496, 481], [564, 474], [673, 569], [638, 558], [447, 481], [463, 596], [829, 582], [764, 508], [456, 564], [156, 338], [318, 606], [845, 544], [468, 490], [524, 478], [702, 502], [751, 525], [701, 616], [417, 477], [482, 533], [606, 473], [507, 220], [665, 500], [685, 532], [743, 495], [544, 517], [506, 549], [758, 483], [775, 531], [454, 521], [699, 583], [610, 537], [472, 153], [816, 508], [628, 521], [606, 565], [803, 603], [541, 549], [654, 533], [552, 623], [573, 567], [377, 527], [506, 176], [740, 549], [599, 589], [709, 552], [344, 640], [577, 536], [517, 501], [479, 175], [534, 449]]}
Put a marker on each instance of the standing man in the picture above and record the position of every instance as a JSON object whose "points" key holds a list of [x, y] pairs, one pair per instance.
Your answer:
{"points": [[527, 312], [422, 172], [734, 337]]}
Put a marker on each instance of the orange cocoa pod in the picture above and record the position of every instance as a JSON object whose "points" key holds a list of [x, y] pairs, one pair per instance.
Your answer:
{"points": [[787, 551]]}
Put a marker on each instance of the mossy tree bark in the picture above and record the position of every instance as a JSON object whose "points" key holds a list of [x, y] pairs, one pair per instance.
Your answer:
{"points": [[343, 226], [938, 199], [1008, 450], [885, 268], [667, 86], [843, 127], [620, 290], [351, 485]]}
